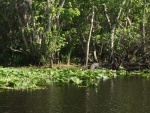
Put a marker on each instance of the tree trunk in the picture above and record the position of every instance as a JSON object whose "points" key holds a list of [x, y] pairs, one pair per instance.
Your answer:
{"points": [[112, 42], [89, 38], [53, 23], [68, 57], [94, 52], [49, 30], [21, 24], [143, 28], [113, 28], [49, 16], [51, 61]]}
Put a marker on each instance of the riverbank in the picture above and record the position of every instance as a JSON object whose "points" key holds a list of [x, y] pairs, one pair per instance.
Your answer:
{"points": [[38, 78]]}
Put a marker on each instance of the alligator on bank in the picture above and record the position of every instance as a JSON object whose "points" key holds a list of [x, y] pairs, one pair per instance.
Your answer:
{"points": [[95, 66], [103, 65]]}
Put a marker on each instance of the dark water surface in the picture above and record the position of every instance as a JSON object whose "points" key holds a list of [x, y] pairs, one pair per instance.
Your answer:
{"points": [[128, 95]]}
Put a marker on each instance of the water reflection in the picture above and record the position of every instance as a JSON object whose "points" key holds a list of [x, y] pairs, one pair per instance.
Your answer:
{"points": [[130, 95], [120, 95]]}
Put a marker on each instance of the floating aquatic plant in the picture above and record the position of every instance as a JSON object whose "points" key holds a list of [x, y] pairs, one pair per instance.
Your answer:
{"points": [[24, 78]]}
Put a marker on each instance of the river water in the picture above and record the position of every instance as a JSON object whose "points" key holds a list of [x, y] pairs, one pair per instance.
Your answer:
{"points": [[120, 95]]}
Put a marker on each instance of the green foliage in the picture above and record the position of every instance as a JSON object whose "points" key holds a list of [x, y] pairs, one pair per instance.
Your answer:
{"points": [[57, 27], [21, 78], [31, 78]]}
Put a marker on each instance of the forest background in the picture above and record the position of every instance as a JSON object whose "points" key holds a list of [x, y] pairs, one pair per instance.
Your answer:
{"points": [[41, 32]]}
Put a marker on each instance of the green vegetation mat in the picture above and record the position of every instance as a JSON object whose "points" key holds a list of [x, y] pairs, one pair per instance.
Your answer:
{"points": [[31, 78]]}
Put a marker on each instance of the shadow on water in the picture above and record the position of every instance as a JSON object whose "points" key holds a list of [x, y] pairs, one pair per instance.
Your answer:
{"points": [[120, 95]]}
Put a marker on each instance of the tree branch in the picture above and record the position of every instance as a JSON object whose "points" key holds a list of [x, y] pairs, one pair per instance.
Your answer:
{"points": [[106, 14]]}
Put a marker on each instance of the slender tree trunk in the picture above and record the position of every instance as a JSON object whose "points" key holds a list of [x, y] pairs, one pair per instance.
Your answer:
{"points": [[51, 24], [112, 42], [58, 13], [143, 28], [113, 28], [107, 16], [23, 37], [94, 52], [95, 56], [49, 16], [89, 38], [21, 24], [128, 21], [49, 30], [34, 27], [68, 57]]}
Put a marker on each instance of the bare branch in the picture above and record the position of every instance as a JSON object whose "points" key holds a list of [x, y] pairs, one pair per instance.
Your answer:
{"points": [[90, 33], [106, 14]]}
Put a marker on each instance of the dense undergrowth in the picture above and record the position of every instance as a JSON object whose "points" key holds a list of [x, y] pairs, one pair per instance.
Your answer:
{"points": [[32, 78]]}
